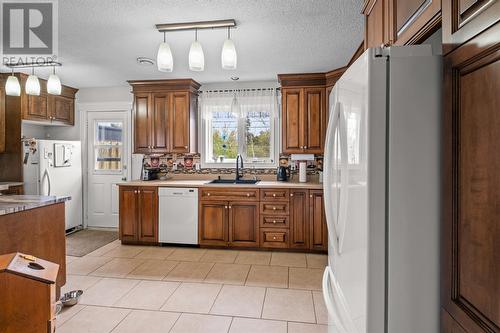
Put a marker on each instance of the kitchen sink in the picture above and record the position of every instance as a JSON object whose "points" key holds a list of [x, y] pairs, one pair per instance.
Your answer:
{"points": [[234, 182]]}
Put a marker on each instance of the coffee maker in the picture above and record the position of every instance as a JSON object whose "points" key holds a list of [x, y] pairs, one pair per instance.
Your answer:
{"points": [[283, 173]]}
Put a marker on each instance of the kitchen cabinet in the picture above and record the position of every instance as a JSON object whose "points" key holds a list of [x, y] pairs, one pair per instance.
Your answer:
{"points": [[226, 222], [465, 19], [47, 108], [165, 116], [471, 136], [400, 22], [318, 229], [138, 214], [3, 122], [299, 219], [303, 113], [213, 225]]}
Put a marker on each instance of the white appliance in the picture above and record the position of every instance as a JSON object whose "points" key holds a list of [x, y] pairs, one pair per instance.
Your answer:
{"points": [[55, 168], [382, 193], [178, 222]]}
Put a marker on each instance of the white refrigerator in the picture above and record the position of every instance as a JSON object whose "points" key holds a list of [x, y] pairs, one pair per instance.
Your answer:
{"points": [[55, 168], [382, 193]]}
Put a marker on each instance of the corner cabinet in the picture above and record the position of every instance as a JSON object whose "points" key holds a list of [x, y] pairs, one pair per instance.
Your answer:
{"points": [[304, 117], [138, 214], [165, 116]]}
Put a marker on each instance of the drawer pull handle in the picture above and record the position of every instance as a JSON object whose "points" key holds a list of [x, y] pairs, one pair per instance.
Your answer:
{"points": [[274, 237], [274, 195], [208, 194], [248, 194], [274, 221], [274, 208]]}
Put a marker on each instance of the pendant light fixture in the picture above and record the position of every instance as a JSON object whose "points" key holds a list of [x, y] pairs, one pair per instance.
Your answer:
{"points": [[54, 84], [196, 56], [229, 58], [32, 84], [164, 59], [12, 87]]}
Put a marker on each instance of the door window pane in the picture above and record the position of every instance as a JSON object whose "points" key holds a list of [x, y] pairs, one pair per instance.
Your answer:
{"points": [[108, 145]]}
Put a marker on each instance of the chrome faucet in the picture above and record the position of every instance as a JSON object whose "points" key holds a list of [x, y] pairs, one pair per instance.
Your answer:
{"points": [[239, 158]]}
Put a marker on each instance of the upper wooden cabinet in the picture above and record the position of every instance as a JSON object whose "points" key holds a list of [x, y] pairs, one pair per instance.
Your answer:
{"points": [[165, 116], [400, 22], [465, 19], [304, 116], [45, 108]]}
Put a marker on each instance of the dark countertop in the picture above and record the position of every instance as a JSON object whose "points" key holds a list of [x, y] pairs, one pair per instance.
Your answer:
{"points": [[18, 203]]}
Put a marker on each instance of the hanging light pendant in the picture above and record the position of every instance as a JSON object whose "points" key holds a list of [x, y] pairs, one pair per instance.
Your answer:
{"points": [[196, 56], [54, 84], [12, 87], [164, 59], [229, 58], [32, 84]]}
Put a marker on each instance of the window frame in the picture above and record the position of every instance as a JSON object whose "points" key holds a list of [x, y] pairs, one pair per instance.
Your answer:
{"points": [[204, 141]]}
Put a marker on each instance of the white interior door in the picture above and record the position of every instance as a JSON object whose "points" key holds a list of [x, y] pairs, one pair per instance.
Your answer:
{"points": [[107, 158]]}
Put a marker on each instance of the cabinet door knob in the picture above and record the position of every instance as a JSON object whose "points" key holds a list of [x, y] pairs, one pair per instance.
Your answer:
{"points": [[229, 207], [291, 194], [185, 147], [274, 237], [248, 194], [225, 207], [274, 195], [274, 221], [274, 208], [208, 194], [305, 147], [310, 195]]}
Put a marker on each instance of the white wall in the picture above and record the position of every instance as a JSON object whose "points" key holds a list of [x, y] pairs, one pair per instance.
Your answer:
{"points": [[239, 85], [33, 131]]}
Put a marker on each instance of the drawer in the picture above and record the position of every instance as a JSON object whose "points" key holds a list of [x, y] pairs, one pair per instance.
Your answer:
{"points": [[276, 238], [279, 194], [274, 221], [230, 194], [280, 208]]}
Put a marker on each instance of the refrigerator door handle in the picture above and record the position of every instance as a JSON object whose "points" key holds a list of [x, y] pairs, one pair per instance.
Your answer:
{"points": [[46, 175], [328, 177], [344, 180], [336, 306]]}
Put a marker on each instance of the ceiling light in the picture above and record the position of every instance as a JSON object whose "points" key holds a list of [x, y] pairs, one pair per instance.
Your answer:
{"points": [[12, 87], [32, 84], [229, 57], [196, 56], [164, 59], [54, 84]]}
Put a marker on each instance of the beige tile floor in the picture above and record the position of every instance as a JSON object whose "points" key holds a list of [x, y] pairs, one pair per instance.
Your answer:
{"points": [[151, 289]]}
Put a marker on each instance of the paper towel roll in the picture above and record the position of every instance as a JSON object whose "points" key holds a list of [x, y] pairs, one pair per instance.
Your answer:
{"points": [[302, 172]]}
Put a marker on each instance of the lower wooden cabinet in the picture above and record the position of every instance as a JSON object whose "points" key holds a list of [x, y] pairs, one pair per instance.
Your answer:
{"points": [[229, 223], [138, 214], [299, 219], [277, 218], [318, 232]]}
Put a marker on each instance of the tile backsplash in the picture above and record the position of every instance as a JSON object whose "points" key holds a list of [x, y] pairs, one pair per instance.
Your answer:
{"points": [[188, 164]]}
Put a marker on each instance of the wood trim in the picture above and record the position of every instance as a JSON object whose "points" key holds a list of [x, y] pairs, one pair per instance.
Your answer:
{"points": [[164, 85], [302, 80], [359, 51], [333, 75]]}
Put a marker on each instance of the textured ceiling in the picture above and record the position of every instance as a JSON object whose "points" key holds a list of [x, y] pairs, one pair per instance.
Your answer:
{"points": [[99, 40]]}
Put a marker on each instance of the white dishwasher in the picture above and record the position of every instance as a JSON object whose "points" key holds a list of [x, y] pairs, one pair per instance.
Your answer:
{"points": [[178, 220]]}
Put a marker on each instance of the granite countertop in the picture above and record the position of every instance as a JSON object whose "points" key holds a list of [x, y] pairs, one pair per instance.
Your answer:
{"points": [[18, 203], [206, 183], [6, 185]]}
